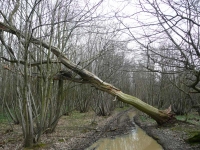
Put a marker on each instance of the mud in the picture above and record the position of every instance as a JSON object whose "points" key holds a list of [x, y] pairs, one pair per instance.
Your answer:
{"points": [[116, 125], [171, 136]]}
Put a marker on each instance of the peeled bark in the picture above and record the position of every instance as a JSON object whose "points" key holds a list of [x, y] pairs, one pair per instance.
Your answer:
{"points": [[160, 116]]}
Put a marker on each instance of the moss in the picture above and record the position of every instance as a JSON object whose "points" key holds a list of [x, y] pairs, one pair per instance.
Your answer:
{"points": [[118, 109], [85, 130], [145, 118], [77, 115], [61, 140], [3, 118], [180, 128], [195, 138], [192, 133], [11, 140], [191, 118], [36, 146], [94, 124]]}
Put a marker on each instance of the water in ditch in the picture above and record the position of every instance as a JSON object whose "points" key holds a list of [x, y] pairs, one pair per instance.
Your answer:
{"points": [[137, 139]]}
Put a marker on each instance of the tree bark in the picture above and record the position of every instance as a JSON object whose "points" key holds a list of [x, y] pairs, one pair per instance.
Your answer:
{"points": [[160, 116]]}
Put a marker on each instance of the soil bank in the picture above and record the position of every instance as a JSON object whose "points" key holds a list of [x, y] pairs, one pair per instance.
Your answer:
{"points": [[170, 137]]}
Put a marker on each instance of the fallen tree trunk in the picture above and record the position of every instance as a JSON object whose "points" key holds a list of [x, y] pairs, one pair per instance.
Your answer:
{"points": [[160, 116]]}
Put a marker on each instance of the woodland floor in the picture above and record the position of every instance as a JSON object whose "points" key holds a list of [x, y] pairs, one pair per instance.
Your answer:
{"points": [[79, 130], [74, 132]]}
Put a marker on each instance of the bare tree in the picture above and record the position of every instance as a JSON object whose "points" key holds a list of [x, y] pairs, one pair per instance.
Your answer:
{"points": [[179, 27], [167, 31], [37, 62], [37, 95]]}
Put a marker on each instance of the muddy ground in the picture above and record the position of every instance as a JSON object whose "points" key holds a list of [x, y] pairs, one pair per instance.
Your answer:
{"points": [[117, 124], [74, 132], [170, 136], [79, 131]]}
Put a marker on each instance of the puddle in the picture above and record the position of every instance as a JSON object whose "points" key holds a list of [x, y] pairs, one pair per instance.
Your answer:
{"points": [[137, 139]]}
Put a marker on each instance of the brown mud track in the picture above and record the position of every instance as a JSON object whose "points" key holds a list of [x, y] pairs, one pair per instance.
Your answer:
{"points": [[118, 124], [170, 137]]}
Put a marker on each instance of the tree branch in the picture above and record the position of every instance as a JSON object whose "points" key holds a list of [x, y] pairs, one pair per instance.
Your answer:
{"points": [[88, 77], [31, 64]]}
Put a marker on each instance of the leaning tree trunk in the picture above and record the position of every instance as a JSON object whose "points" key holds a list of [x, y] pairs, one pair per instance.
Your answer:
{"points": [[160, 116]]}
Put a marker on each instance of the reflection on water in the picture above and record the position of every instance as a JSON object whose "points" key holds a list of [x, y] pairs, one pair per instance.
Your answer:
{"points": [[136, 140]]}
